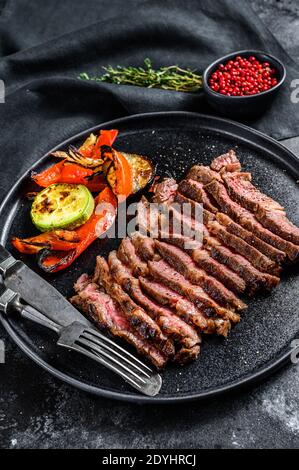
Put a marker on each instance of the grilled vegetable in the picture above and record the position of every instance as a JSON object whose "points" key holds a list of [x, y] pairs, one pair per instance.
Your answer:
{"points": [[101, 220], [62, 206], [142, 169], [70, 173], [55, 240], [119, 174]]}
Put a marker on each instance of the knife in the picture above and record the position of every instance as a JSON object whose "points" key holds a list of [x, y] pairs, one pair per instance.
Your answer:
{"points": [[37, 292]]}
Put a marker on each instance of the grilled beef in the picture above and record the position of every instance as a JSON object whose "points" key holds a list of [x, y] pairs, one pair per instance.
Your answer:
{"points": [[255, 280], [185, 265], [106, 314], [226, 162], [186, 339], [221, 272], [269, 212], [164, 191], [160, 294], [247, 220], [127, 254], [137, 317], [242, 190], [256, 258], [162, 272], [195, 190], [144, 246], [197, 212], [203, 174], [274, 254], [185, 309]]}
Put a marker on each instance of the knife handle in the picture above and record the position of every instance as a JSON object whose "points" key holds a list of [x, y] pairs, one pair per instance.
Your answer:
{"points": [[10, 300], [6, 261]]}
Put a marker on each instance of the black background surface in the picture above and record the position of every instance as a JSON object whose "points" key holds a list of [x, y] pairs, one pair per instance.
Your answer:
{"points": [[44, 45]]}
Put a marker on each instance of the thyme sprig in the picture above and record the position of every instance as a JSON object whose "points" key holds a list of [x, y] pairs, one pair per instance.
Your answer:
{"points": [[167, 78]]}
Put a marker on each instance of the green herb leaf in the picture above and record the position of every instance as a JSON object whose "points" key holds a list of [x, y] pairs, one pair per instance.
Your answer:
{"points": [[167, 78]]}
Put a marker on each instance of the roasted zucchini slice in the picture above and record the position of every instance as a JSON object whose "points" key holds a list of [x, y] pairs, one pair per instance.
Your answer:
{"points": [[62, 206]]}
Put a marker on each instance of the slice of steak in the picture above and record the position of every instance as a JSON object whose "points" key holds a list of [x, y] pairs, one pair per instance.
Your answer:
{"points": [[256, 258], [247, 220], [195, 190], [275, 255], [127, 254], [226, 162], [137, 317], [277, 222], [106, 314], [164, 191], [185, 265], [203, 174], [186, 339], [221, 272], [185, 243], [144, 246], [241, 189], [268, 211], [162, 272], [255, 280], [185, 309], [197, 211], [147, 218], [82, 282]]}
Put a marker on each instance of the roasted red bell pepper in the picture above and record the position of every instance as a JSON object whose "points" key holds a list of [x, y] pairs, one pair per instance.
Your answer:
{"points": [[119, 174], [65, 172], [105, 137], [54, 240], [102, 219]]}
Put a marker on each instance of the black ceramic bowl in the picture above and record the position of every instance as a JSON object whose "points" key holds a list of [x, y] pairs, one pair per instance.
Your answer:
{"points": [[243, 107]]}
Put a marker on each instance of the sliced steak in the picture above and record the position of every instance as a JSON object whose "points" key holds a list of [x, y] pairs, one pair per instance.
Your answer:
{"points": [[227, 162], [127, 254], [165, 190], [186, 339], [274, 254], [256, 258], [255, 280], [221, 272], [137, 317], [277, 222], [268, 211], [185, 309], [107, 315], [241, 189], [144, 246], [82, 282], [162, 272], [247, 220], [185, 265], [195, 190], [197, 211], [203, 174]]}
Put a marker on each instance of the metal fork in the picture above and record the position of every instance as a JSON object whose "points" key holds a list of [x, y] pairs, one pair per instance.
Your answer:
{"points": [[92, 344]]}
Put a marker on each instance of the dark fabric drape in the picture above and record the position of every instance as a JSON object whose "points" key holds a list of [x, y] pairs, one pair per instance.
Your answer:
{"points": [[44, 45]]}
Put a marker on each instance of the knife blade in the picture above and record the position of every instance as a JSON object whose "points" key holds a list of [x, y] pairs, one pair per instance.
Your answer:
{"points": [[37, 292]]}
